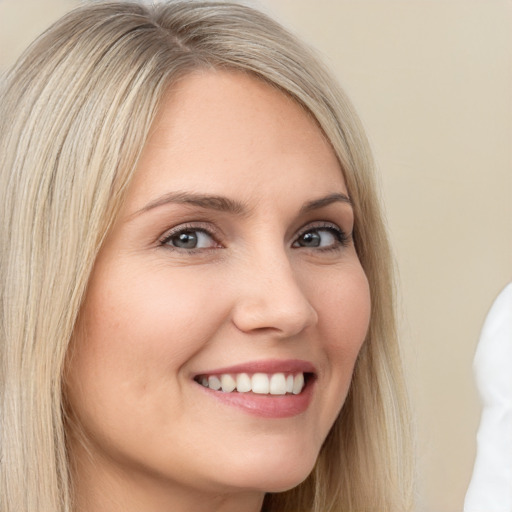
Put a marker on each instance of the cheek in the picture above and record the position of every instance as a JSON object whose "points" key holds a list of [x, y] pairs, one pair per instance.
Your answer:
{"points": [[345, 304], [155, 317], [134, 338], [345, 307]]}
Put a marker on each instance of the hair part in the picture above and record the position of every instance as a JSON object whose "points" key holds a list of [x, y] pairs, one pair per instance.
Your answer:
{"points": [[75, 113]]}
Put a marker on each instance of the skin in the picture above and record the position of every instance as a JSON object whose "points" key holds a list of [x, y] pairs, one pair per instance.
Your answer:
{"points": [[156, 315]]}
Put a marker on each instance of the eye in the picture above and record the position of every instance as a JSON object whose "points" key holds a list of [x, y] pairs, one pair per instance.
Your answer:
{"points": [[188, 238], [323, 237]]}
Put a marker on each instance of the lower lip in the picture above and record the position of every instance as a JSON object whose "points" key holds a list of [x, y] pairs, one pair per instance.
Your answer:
{"points": [[267, 406]]}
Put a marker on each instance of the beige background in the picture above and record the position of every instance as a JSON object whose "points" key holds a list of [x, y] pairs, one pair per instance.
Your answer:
{"points": [[432, 80]]}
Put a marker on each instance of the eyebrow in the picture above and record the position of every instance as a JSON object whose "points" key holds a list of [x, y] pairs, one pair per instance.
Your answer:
{"points": [[206, 201], [316, 204], [225, 204]]}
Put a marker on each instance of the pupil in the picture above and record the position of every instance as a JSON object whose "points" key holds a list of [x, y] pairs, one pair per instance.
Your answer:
{"points": [[186, 240], [311, 239]]}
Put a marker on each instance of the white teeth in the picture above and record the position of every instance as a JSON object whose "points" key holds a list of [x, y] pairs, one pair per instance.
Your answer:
{"points": [[289, 383], [298, 383], [259, 383], [243, 383], [214, 383], [228, 383], [278, 384]]}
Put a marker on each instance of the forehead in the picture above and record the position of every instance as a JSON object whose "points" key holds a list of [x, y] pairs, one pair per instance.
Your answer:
{"points": [[229, 133]]}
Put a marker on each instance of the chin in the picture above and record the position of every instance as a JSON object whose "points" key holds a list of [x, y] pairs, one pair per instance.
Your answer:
{"points": [[288, 480], [275, 472]]}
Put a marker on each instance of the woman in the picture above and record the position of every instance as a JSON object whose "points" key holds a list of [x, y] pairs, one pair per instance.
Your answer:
{"points": [[197, 301]]}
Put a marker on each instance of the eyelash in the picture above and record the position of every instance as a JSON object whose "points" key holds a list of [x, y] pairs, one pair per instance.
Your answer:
{"points": [[184, 228], [341, 237]]}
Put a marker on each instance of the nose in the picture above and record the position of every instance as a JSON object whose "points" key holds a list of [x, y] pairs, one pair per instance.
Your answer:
{"points": [[271, 298]]}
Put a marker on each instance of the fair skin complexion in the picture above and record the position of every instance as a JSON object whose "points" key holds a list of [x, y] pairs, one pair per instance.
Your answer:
{"points": [[263, 278]]}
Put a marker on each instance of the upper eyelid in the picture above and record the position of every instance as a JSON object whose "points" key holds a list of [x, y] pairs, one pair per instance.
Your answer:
{"points": [[319, 225], [204, 227]]}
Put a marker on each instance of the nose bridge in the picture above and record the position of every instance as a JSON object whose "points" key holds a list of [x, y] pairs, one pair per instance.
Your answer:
{"points": [[271, 295]]}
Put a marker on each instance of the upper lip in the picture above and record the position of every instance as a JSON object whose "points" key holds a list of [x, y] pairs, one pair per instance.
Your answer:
{"points": [[265, 366]]}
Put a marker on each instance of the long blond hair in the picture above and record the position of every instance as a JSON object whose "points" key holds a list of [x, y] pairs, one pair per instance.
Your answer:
{"points": [[74, 115]]}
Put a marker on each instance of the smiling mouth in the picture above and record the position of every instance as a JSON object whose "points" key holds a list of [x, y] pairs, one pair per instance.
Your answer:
{"points": [[259, 383]]}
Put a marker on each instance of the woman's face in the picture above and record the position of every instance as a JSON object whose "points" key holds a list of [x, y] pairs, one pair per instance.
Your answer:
{"points": [[231, 263]]}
